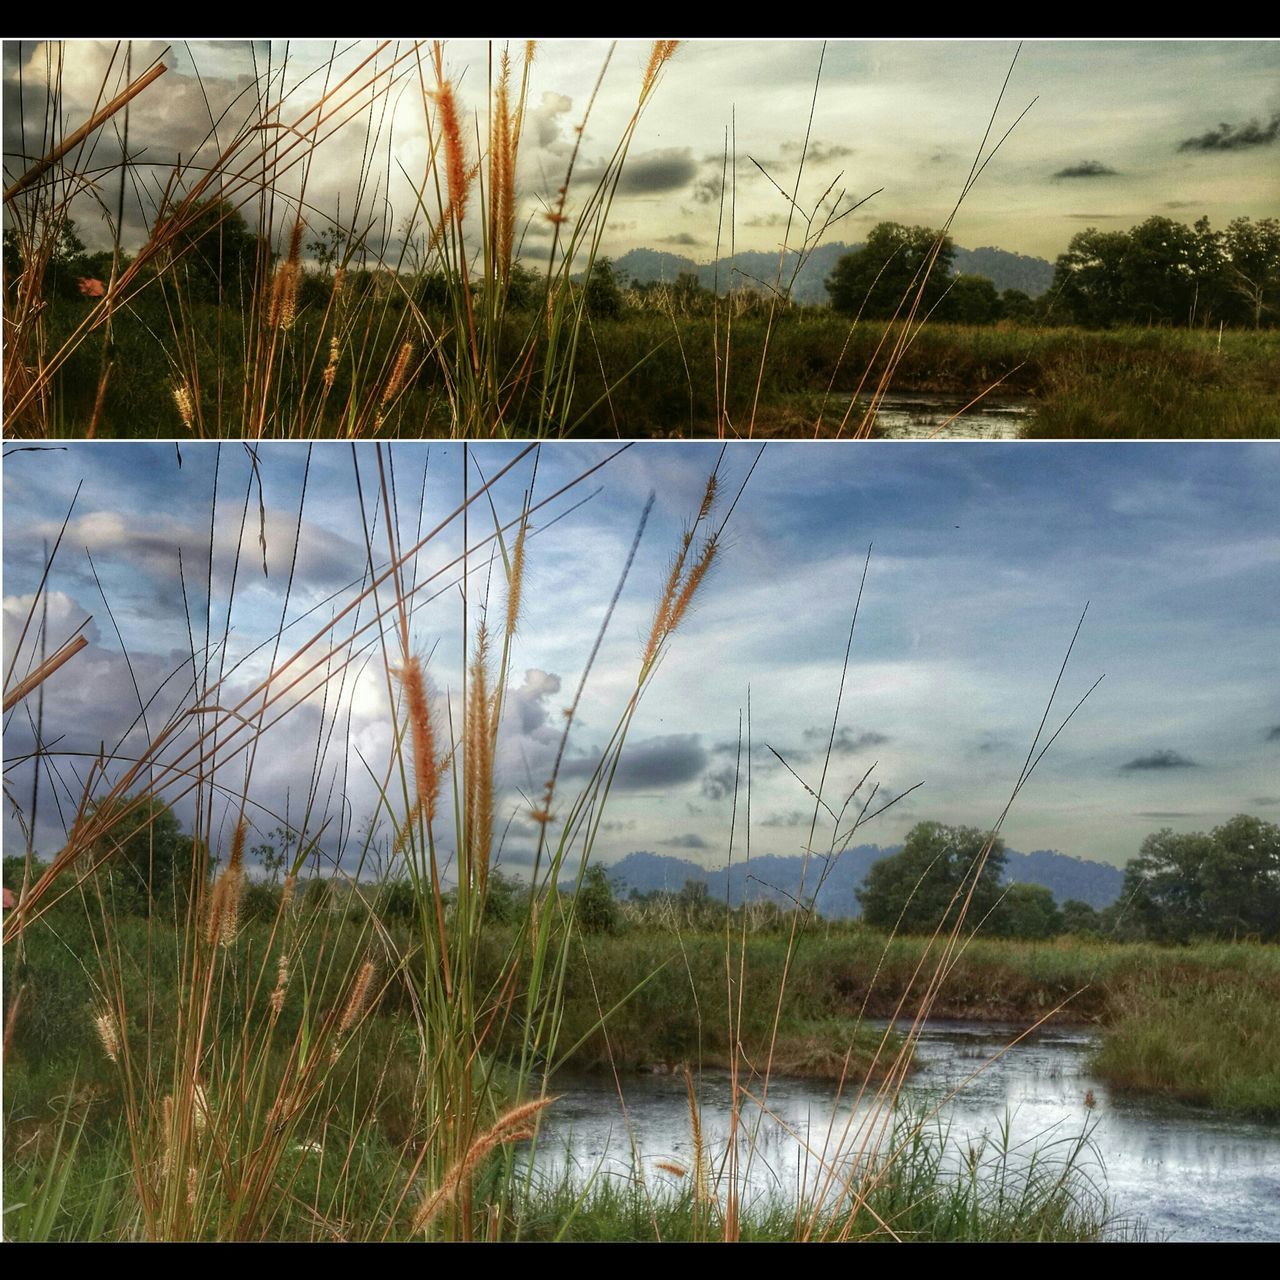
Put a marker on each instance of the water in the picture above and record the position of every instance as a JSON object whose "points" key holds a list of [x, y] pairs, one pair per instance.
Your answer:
{"points": [[1188, 1174], [919, 415]]}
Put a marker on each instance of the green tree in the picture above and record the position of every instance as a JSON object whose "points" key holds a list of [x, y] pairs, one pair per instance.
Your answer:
{"points": [[216, 257], [604, 291], [889, 268], [595, 907], [928, 881], [148, 865], [1028, 911], [1251, 253], [1224, 884], [971, 300], [1080, 918]]}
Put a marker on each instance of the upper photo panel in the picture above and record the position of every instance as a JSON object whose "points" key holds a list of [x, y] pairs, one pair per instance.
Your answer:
{"points": [[583, 238]]}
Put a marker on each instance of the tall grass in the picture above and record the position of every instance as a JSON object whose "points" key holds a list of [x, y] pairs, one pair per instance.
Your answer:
{"points": [[258, 1094], [453, 322]]}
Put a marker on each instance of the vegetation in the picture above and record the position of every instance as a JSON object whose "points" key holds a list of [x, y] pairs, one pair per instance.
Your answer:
{"points": [[245, 313], [1222, 885]]}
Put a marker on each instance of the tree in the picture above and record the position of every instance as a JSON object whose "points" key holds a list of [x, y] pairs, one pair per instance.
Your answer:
{"points": [[604, 291], [971, 300], [1080, 918], [882, 278], [216, 256], [1225, 884], [927, 882], [1252, 266], [595, 908], [1028, 911], [148, 864]]}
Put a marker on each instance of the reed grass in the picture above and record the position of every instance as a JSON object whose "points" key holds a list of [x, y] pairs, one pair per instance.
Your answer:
{"points": [[242, 1034], [454, 325]]}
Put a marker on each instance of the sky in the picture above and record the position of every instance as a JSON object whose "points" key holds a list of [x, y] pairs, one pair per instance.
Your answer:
{"points": [[983, 557], [1116, 131]]}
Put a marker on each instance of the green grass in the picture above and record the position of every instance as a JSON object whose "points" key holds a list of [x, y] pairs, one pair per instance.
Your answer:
{"points": [[649, 375]]}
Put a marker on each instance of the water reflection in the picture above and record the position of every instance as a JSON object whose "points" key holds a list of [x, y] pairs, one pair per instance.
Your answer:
{"points": [[1189, 1174]]}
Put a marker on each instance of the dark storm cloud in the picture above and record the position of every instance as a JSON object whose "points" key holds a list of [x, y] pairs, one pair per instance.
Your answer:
{"points": [[686, 841], [665, 761], [1087, 169], [1164, 759], [650, 173], [1235, 137], [1273, 734], [683, 238]]}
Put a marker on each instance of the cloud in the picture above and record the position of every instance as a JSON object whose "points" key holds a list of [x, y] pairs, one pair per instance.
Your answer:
{"points": [[719, 783], [1165, 813], [708, 191], [1229, 137], [687, 841], [651, 173], [682, 238], [846, 743], [1265, 802], [818, 152], [792, 818], [543, 122], [1273, 734], [1164, 759], [1087, 169], [665, 761]]}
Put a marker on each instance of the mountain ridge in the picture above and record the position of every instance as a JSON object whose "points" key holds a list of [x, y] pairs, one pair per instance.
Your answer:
{"points": [[777, 877], [1004, 269]]}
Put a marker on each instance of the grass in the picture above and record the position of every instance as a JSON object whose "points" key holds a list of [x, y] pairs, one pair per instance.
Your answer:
{"points": [[645, 374], [246, 313], [216, 1038]]}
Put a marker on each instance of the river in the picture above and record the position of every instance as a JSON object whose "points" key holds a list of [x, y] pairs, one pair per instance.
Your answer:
{"points": [[1185, 1173]]}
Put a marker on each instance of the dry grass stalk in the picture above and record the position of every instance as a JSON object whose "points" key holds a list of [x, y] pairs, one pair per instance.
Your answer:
{"points": [[661, 53], [478, 764], [359, 997], [282, 985], [515, 583], [104, 1024], [516, 1126], [458, 171], [228, 890], [186, 406], [426, 765]]}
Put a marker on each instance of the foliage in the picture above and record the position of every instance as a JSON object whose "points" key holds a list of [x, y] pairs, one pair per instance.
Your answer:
{"points": [[595, 909], [882, 279], [1224, 884], [926, 885], [1028, 911]]}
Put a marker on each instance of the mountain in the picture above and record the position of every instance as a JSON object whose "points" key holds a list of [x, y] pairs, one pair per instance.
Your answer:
{"points": [[1006, 270], [836, 883]]}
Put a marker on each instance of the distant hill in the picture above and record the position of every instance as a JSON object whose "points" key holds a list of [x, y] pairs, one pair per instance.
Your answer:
{"points": [[778, 878], [1006, 270]]}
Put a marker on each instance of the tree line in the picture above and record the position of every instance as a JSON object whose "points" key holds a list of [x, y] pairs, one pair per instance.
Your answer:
{"points": [[1224, 884], [1160, 272]]}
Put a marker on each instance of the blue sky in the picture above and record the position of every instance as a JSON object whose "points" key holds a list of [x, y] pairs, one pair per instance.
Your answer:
{"points": [[984, 556], [1119, 130]]}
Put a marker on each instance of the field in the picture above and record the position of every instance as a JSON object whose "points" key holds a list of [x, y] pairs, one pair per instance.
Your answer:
{"points": [[645, 374]]}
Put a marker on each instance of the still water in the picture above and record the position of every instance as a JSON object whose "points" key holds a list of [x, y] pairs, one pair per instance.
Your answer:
{"points": [[920, 416], [1187, 1174]]}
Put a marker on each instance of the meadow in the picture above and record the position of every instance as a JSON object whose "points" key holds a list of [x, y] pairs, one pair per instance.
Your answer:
{"points": [[645, 374], [247, 314]]}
